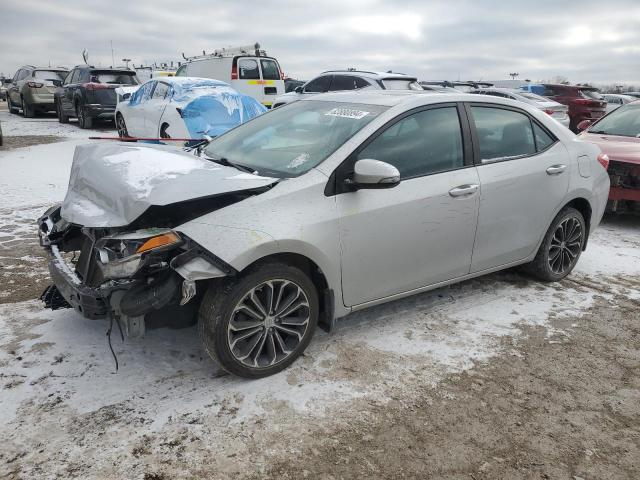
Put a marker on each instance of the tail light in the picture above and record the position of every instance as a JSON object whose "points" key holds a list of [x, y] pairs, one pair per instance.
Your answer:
{"points": [[234, 72], [603, 158], [96, 86], [548, 111], [35, 84], [281, 75]]}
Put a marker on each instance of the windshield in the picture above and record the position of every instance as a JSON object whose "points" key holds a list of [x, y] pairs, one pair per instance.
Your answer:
{"points": [[292, 139], [119, 78], [401, 84], [48, 76], [625, 121]]}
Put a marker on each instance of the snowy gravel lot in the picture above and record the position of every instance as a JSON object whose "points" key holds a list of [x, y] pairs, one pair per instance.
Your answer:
{"points": [[404, 368]]}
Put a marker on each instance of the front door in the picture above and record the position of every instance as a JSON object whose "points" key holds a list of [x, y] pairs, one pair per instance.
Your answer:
{"points": [[154, 109], [524, 174], [420, 232]]}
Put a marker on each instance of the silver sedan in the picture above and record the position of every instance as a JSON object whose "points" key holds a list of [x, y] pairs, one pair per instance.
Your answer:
{"points": [[317, 209]]}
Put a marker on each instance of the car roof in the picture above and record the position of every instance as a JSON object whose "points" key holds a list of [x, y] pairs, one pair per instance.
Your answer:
{"points": [[187, 80], [392, 98], [376, 75]]}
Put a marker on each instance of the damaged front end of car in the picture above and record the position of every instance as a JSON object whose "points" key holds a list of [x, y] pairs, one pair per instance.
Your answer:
{"points": [[114, 246], [126, 275]]}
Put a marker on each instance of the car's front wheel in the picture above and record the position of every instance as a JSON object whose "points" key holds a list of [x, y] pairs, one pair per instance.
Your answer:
{"points": [[12, 108], [561, 247], [257, 324], [121, 126]]}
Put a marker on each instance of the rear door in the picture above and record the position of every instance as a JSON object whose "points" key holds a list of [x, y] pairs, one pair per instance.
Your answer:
{"points": [[273, 84], [154, 109], [68, 87], [12, 90], [524, 176]]}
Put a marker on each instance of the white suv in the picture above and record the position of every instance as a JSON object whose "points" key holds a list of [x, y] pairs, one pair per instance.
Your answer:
{"points": [[351, 79]]}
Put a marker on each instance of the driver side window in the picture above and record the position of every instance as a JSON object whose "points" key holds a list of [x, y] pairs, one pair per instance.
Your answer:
{"points": [[423, 143]]}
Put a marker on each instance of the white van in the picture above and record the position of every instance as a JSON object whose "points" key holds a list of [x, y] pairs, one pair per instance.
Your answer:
{"points": [[247, 69]]}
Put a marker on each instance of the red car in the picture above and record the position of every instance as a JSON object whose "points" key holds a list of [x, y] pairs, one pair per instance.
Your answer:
{"points": [[618, 136], [585, 103]]}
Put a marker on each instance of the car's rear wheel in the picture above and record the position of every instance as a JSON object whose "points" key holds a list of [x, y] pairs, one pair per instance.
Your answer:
{"points": [[561, 247], [84, 120], [259, 323], [62, 118], [27, 109], [121, 126]]}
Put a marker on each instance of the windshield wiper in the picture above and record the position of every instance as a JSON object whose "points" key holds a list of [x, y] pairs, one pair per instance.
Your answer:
{"points": [[225, 161]]}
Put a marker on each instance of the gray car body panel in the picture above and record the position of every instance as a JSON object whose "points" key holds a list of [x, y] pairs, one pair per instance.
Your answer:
{"points": [[112, 184], [297, 217]]}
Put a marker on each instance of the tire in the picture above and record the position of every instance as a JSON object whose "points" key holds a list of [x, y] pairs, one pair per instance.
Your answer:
{"points": [[27, 109], [121, 126], [10, 106], [84, 121], [163, 131], [272, 346], [561, 247], [62, 118]]}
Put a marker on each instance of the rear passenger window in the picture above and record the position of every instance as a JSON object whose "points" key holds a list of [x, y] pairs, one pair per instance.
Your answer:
{"points": [[345, 82], [502, 134], [161, 90], [424, 143], [543, 139], [248, 69]]}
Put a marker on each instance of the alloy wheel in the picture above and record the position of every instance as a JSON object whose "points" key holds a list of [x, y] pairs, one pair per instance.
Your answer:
{"points": [[121, 127], [268, 323], [565, 245]]}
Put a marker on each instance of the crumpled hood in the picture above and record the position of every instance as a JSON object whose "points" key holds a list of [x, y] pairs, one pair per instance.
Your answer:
{"points": [[112, 184], [621, 149]]}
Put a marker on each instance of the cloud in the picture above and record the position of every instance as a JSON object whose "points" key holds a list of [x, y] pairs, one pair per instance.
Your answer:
{"points": [[589, 41]]}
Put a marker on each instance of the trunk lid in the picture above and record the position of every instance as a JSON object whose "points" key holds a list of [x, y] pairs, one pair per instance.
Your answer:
{"points": [[112, 184]]}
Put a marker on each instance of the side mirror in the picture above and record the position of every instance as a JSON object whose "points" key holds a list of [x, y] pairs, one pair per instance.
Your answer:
{"points": [[369, 173], [126, 96], [583, 125], [298, 89], [57, 83]]}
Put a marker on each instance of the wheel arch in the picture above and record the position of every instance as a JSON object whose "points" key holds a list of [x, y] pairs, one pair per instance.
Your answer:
{"points": [[317, 276], [584, 207]]}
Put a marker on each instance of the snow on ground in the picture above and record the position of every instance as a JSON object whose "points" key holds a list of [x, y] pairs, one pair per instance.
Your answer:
{"points": [[47, 124], [62, 398]]}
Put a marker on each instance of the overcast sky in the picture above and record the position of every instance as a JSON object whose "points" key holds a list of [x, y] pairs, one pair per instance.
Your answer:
{"points": [[595, 41]]}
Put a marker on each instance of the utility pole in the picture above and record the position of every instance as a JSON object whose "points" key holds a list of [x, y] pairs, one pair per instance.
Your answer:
{"points": [[113, 60], [126, 61]]}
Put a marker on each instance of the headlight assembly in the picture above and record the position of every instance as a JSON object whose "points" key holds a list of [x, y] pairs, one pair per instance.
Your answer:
{"points": [[121, 255]]}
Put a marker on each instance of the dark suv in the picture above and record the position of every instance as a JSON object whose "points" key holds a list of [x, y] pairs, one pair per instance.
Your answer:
{"points": [[32, 89], [585, 103], [89, 93]]}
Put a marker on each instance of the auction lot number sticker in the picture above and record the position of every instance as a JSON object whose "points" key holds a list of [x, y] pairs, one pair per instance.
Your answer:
{"points": [[347, 113]]}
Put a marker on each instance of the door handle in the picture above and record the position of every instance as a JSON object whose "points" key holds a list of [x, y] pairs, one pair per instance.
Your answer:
{"points": [[556, 169], [464, 190]]}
